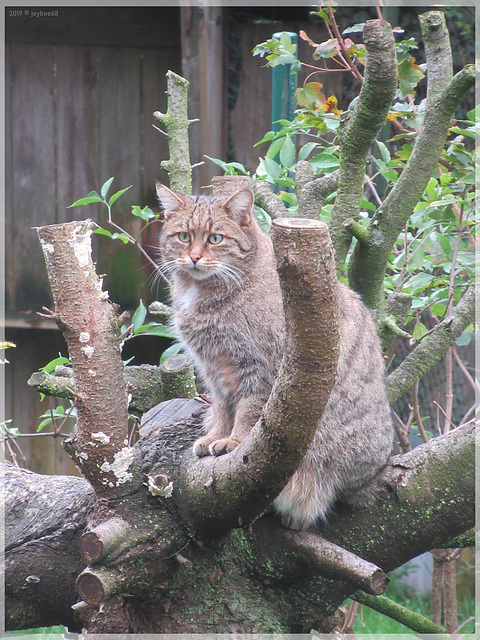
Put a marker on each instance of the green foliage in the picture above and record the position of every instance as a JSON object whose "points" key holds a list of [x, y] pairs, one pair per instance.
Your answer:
{"points": [[278, 51], [60, 631], [93, 197], [138, 326], [53, 415], [50, 367], [433, 259]]}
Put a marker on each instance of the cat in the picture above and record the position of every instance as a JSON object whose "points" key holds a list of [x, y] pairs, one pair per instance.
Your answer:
{"points": [[229, 316]]}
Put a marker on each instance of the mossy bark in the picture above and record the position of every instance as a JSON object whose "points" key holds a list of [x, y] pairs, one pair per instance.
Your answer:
{"points": [[360, 128], [369, 260], [429, 352], [147, 385], [254, 579], [176, 123]]}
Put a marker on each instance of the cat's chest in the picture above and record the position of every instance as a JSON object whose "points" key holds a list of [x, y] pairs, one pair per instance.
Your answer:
{"points": [[186, 298]]}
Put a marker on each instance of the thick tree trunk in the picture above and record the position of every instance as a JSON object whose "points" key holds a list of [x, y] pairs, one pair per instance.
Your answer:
{"points": [[259, 578]]}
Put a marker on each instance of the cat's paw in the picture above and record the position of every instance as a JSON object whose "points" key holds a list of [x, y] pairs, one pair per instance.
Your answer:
{"points": [[201, 447], [220, 447]]}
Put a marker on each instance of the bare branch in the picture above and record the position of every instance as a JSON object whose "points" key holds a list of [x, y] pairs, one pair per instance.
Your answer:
{"points": [[147, 385], [176, 123], [426, 355], [368, 263], [358, 132], [388, 607], [272, 204], [218, 493], [92, 333], [334, 561]]}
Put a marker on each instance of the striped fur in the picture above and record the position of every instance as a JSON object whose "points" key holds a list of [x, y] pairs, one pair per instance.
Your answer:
{"points": [[228, 313]]}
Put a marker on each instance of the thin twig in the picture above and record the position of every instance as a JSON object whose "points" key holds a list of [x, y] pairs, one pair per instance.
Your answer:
{"points": [[343, 48], [473, 383], [416, 413], [450, 423]]}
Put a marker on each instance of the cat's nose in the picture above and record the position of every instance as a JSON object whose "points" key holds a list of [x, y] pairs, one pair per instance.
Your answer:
{"points": [[195, 257]]}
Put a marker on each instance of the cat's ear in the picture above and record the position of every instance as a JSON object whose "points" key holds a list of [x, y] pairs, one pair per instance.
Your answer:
{"points": [[239, 206], [170, 201]]}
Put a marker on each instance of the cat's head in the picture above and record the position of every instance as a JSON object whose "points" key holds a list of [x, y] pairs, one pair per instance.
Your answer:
{"points": [[207, 237]]}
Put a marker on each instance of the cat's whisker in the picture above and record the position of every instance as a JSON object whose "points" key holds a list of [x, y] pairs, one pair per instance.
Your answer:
{"points": [[229, 274]]}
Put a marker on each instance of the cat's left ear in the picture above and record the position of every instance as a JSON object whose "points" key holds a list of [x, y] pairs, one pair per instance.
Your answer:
{"points": [[240, 205], [170, 201]]}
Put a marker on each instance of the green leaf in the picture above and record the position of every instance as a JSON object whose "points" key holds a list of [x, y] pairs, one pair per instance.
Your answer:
{"points": [[324, 161], [270, 135], [465, 338], [105, 188], [272, 168], [50, 367], [410, 75], [117, 195], [420, 281], [121, 236], [155, 329], [92, 197], [306, 150], [103, 232], [275, 147], [171, 351], [327, 49], [287, 152], [423, 330], [145, 214], [474, 114], [139, 316], [357, 28], [384, 151]]}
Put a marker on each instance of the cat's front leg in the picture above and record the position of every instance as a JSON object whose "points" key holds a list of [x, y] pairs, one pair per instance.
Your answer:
{"points": [[218, 425], [247, 413]]}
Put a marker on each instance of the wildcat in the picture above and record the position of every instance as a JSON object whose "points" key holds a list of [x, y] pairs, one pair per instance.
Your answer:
{"points": [[229, 316]]}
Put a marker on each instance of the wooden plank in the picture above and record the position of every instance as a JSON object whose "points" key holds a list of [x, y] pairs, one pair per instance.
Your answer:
{"points": [[120, 156], [126, 26], [77, 121], [190, 71], [33, 166], [213, 103]]}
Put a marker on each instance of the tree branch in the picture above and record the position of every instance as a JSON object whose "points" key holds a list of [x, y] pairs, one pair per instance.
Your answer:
{"points": [[358, 132], [311, 193], [397, 612], [148, 385], [266, 199], [92, 333], [421, 499], [334, 561], [431, 350], [218, 493], [369, 261], [176, 123]]}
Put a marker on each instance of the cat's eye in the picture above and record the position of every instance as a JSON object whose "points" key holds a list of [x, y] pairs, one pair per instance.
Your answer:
{"points": [[183, 236], [215, 238]]}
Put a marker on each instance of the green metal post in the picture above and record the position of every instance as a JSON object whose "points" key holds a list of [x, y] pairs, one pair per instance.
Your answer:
{"points": [[284, 84]]}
